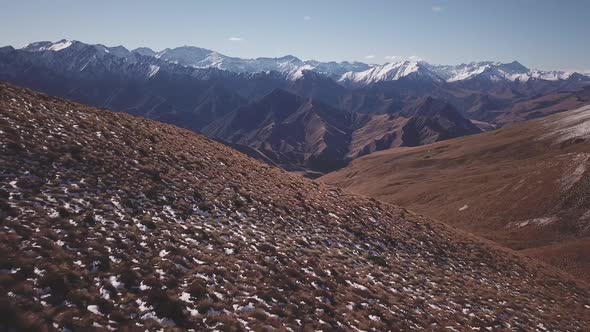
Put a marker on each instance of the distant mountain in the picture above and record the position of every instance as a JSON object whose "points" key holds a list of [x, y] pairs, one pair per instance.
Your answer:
{"points": [[301, 134], [321, 88], [425, 121], [390, 72], [495, 71], [293, 131], [491, 70], [355, 73], [202, 58], [336, 70], [433, 120], [123, 80]]}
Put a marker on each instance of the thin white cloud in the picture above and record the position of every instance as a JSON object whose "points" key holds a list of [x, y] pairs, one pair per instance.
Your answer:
{"points": [[437, 9], [236, 39], [414, 58], [370, 56], [307, 18]]}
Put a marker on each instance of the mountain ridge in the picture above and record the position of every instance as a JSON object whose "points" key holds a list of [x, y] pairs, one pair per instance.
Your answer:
{"points": [[348, 73]]}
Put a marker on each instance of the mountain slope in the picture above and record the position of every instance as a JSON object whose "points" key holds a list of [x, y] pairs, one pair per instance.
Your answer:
{"points": [[433, 120], [424, 121], [301, 134], [113, 221], [291, 130], [389, 72], [540, 106], [524, 186]]}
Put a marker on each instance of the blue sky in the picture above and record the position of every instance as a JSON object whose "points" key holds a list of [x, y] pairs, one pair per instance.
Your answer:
{"points": [[540, 34]]}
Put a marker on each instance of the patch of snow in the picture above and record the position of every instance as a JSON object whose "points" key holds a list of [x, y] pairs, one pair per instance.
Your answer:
{"points": [[105, 294], [94, 309], [186, 297], [355, 285], [543, 221], [142, 305], [153, 70], [569, 125], [116, 283], [60, 46]]}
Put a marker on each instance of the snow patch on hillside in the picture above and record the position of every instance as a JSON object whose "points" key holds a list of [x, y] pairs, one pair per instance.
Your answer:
{"points": [[538, 222], [153, 70], [60, 46], [574, 124]]}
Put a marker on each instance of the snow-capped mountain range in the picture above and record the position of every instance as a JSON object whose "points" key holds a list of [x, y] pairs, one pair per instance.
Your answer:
{"points": [[346, 73]]}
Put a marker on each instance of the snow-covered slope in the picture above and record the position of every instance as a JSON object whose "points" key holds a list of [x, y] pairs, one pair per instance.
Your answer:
{"points": [[48, 46], [390, 72], [351, 73], [496, 71], [75, 46], [552, 75]]}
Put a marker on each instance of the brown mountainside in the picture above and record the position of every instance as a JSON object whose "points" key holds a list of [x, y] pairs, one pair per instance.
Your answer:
{"points": [[301, 134], [524, 186]]}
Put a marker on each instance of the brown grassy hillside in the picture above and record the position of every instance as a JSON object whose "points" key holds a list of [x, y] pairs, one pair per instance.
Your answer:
{"points": [[525, 186], [109, 221]]}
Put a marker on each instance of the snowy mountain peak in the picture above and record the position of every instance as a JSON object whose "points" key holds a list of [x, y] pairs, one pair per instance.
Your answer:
{"points": [[389, 72], [289, 58], [48, 46], [514, 66], [184, 55], [146, 51], [300, 72], [75, 46]]}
